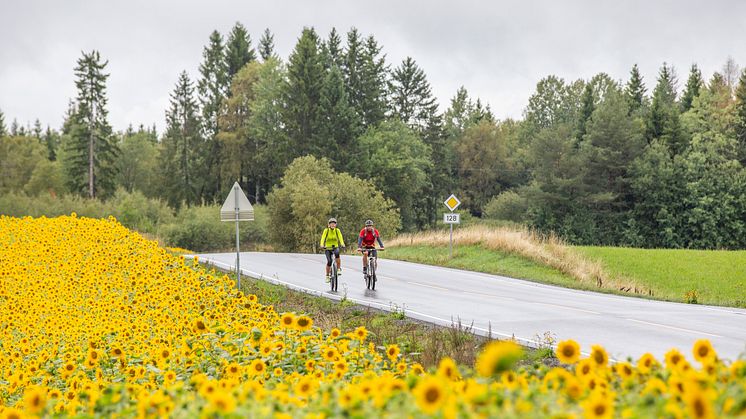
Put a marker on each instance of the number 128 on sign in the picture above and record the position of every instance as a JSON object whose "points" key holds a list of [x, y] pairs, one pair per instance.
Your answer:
{"points": [[452, 218]]}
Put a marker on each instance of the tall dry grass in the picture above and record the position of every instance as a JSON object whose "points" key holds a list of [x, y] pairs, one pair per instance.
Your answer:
{"points": [[548, 250]]}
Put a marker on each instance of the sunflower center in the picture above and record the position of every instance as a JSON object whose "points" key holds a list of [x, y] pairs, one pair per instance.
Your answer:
{"points": [[432, 395]]}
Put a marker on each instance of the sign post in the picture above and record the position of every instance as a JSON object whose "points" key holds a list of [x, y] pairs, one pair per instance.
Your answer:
{"points": [[237, 208], [451, 218]]}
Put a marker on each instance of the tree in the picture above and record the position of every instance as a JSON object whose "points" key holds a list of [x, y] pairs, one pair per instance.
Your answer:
{"points": [[740, 118], [338, 124], [554, 102], [238, 51], [267, 45], [693, 84], [365, 70], [483, 163], [3, 129], [92, 152], [19, 157], [310, 191], [180, 158], [302, 94], [730, 74], [398, 162], [635, 90], [138, 162], [213, 88], [411, 98], [52, 141], [332, 49], [267, 127], [663, 121], [239, 160], [612, 142]]}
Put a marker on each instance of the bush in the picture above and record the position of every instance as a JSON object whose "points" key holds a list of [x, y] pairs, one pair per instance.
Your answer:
{"points": [[136, 211], [310, 192], [508, 206], [199, 229]]}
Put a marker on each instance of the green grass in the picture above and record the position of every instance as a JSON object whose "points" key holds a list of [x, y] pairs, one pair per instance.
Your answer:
{"points": [[717, 277], [477, 258], [690, 276]]}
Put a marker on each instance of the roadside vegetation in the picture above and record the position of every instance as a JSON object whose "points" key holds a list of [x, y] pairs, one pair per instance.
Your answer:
{"points": [[691, 276]]}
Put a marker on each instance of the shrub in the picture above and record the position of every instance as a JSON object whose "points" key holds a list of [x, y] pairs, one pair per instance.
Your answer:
{"points": [[507, 206], [199, 229], [310, 192]]}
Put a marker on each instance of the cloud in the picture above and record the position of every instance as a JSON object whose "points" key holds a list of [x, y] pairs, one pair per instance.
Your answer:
{"points": [[497, 50]]}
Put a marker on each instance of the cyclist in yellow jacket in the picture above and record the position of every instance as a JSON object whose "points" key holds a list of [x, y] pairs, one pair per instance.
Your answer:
{"points": [[331, 241]]}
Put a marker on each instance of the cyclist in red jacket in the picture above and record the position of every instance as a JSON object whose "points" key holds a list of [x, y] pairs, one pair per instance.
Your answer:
{"points": [[367, 241]]}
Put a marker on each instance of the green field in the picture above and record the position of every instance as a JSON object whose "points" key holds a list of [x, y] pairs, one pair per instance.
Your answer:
{"points": [[716, 277]]}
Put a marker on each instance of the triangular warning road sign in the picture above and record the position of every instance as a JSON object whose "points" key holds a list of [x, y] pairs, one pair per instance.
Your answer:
{"points": [[237, 200]]}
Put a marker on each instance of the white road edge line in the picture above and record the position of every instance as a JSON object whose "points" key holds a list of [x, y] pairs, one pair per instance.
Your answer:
{"points": [[676, 328]]}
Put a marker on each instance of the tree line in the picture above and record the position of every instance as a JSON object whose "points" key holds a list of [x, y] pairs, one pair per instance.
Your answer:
{"points": [[598, 161]]}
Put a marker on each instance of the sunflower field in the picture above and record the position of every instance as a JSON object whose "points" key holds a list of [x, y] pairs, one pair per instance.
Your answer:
{"points": [[95, 320]]}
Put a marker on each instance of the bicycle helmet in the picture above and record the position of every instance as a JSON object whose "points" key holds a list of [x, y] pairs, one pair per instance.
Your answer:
{"points": [[368, 223], [332, 220]]}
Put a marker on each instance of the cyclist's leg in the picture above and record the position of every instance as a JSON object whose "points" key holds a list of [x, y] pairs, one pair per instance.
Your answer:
{"points": [[328, 254], [339, 261], [375, 258]]}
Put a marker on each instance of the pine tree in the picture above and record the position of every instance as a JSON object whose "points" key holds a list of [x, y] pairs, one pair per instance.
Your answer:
{"points": [[267, 45], [338, 124], [411, 98], [92, 152], [213, 89], [15, 129], [302, 93], [3, 130], [181, 162], [238, 51], [693, 84], [740, 120], [635, 90]]}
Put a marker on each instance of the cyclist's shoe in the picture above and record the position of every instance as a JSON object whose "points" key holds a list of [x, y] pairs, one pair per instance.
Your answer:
{"points": [[328, 278], [339, 272]]}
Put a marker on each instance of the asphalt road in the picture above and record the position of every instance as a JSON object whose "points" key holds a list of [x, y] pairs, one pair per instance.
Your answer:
{"points": [[506, 307]]}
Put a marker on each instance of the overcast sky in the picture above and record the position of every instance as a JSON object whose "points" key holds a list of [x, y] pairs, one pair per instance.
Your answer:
{"points": [[498, 50]]}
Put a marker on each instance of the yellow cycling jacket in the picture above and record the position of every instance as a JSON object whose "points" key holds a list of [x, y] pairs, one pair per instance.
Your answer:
{"points": [[332, 237]]}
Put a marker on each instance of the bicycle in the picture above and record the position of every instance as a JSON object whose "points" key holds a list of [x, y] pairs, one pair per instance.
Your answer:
{"points": [[334, 271], [371, 265]]}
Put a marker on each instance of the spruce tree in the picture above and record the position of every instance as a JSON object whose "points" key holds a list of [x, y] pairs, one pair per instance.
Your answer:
{"points": [[338, 124], [91, 152], [373, 83], [663, 122], [213, 88], [305, 77], [693, 84], [51, 141], [333, 54], [37, 129], [3, 130], [181, 163], [238, 51], [411, 98], [266, 45], [740, 119], [635, 90], [587, 105]]}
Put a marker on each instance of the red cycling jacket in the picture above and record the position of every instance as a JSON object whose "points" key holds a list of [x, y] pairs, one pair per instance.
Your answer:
{"points": [[368, 239]]}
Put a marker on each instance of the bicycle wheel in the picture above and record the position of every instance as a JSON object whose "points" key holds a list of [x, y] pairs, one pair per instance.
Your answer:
{"points": [[334, 277], [373, 275]]}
